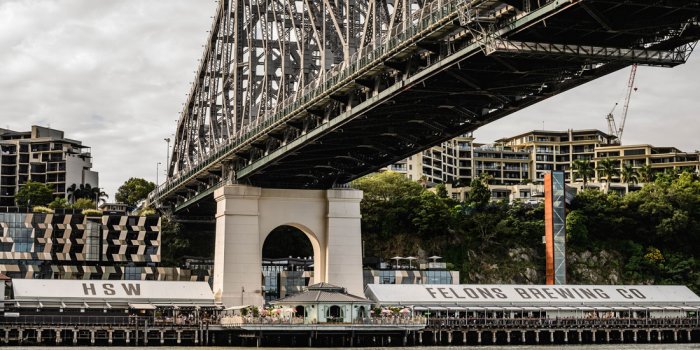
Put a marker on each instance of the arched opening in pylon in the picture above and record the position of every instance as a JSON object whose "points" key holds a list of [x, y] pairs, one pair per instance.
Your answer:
{"points": [[287, 262]]}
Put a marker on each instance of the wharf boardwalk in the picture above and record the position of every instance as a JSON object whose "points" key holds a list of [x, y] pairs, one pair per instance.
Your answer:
{"points": [[129, 330], [508, 331]]}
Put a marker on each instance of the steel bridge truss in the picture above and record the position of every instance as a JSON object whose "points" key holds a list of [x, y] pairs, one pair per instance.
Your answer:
{"points": [[315, 93]]}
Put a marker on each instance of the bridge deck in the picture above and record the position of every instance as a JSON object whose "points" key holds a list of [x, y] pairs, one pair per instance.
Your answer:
{"points": [[459, 65]]}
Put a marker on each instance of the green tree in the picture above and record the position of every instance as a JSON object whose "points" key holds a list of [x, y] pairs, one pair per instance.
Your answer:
{"points": [[134, 190], [58, 203], [628, 174], [645, 173], [441, 190], [34, 193], [608, 168], [583, 169], [479, 194]]}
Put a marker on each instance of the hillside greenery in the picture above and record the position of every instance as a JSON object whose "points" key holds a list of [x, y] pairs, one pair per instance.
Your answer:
{"points": [[650, 236]]}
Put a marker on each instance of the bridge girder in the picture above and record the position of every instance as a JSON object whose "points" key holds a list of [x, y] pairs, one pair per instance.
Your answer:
{"points": [[298, 85]]}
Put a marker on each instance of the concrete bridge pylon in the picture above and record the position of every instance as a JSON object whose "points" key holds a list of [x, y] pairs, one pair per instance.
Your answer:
{"points": [[245, 216]]}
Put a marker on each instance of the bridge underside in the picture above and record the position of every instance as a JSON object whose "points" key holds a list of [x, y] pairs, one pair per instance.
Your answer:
{"points": [[448, 83], [477, 90]]}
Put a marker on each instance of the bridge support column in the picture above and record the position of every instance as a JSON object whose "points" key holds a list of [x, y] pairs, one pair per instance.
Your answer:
{"points": [[110, 337], [537, 336], [127, 333], [245, 215], [38, 335], [478, 337], [75, 336], [179, 337], [420, 338], [523, 335], [58, 336]]}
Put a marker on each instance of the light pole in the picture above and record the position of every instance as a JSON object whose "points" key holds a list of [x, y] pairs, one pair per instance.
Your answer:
{"points": [[167, 156], [157, 171]]}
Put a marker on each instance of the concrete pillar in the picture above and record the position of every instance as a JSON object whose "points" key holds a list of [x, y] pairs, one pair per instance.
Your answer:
{"points": [[593, 332], [196, 336], [523, 337], [420, 338], [607, 336], [580, 338], [38, 335], [537, 336], [449, 337], [551, 337], [75, 336], [508, 337], [464, 338], [162, 338], [690, 338], [246, 215], [478, 337], [92, 336], [344, 244], [238, 253], [434, 338], [658, 332], [179, 337], [127, 333], [58, 336], [493, 337], [7, 336], [566, 336], [20, 335], [110, 337], [634, 336], [675, 336]]}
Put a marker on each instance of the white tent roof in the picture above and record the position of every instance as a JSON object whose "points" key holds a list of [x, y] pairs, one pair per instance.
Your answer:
{"points": [[531, 295], [108, 293]]}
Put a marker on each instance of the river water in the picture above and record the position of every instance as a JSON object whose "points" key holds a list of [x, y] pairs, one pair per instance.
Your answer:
{"points": [[523, 347]]}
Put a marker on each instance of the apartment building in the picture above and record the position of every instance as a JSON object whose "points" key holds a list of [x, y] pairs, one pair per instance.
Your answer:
{"points": [[557, 150], [42, 155], [659, 159], [516, 165]]}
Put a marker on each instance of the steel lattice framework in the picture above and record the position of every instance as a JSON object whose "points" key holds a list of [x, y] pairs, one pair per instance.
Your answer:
{"points": [[315, 93], [261, 52]]}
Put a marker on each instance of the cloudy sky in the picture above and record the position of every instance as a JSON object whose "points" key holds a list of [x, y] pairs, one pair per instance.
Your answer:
{"points": [[114, 74]]}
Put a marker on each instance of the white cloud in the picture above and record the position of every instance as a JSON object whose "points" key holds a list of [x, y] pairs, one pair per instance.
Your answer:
{"points": [[114, 74]]}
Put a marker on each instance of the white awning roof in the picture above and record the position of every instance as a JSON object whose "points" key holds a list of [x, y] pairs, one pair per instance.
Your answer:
{"points": [[111, 293], [532, 296], [142, 306]]}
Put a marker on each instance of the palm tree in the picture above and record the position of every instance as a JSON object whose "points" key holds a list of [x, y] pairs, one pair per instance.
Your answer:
{"points": [[608, 168], [71, 193], [628, 174], [644, 173], [98, 195], [584, 169]]}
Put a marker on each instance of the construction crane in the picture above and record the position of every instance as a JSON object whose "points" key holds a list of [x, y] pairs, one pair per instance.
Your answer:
{"points": [[612, 125]]}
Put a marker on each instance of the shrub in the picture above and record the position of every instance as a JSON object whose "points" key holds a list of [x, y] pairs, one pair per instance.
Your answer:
{"points": [[42, 209], [92, 212]]}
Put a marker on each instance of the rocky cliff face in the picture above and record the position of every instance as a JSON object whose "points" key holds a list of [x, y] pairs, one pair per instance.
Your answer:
{"points": [[526, 266]]}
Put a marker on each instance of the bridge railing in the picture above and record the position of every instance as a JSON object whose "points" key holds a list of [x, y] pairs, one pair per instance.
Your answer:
{"points": [[424, 21]]}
